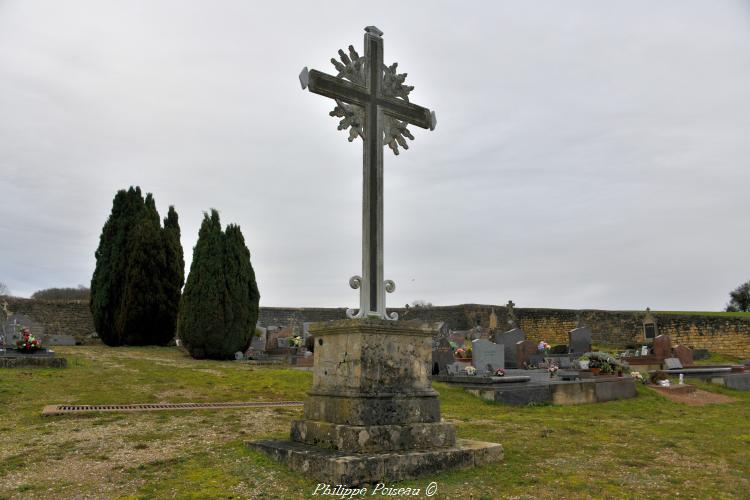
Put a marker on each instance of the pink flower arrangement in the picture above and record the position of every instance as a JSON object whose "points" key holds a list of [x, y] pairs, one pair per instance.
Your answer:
{"points": [[543, 347], [500, 372]]}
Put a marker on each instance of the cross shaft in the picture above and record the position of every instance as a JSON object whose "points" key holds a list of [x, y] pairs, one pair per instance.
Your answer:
{"points": [[371, 98]]}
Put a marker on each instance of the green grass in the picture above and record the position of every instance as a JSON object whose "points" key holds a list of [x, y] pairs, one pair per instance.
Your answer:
{"points": [[648, 447]]}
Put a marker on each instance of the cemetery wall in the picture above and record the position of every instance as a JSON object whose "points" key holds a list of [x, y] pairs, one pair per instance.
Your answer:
{"points": [[57, 317], [728, 335]]}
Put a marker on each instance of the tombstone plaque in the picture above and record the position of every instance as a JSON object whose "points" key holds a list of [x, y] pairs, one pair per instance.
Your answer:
{"points": [[662, 347], [684, 354], [487, 356], [509, 340], [525, 350], [579, 340]]}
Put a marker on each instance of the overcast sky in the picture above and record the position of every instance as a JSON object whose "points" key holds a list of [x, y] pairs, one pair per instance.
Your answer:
{"points": [[588, 154]]}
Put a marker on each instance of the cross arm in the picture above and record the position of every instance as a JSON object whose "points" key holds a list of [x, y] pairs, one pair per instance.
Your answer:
{"points": [[408, 112], [335, 88]]}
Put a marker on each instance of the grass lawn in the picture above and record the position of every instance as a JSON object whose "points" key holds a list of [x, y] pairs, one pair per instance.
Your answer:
{"points": [[648, 447]]}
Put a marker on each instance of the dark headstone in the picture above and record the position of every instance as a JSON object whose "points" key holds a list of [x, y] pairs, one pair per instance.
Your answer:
{"points": [[700, 354], [684, 354], [579, 340], [662, 347], [509, 340], [672, 364], [442, 356], [559, 349], [525, 349]]}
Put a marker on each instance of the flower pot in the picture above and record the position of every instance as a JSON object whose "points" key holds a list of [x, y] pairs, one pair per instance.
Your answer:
{"points": [[596, 370], [584, 364]]}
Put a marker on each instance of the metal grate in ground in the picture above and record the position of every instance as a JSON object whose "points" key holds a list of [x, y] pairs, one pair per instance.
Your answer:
{"points": [[50, 410]]}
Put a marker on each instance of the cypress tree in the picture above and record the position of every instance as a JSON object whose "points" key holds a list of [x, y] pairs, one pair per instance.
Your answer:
{"points": [[219, 307], [133, 298], [174, 277]]}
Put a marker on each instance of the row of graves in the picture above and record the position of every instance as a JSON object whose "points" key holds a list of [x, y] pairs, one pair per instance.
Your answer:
{"points": [[507, 367], [291, 345], [661, 362], [22, 347]]}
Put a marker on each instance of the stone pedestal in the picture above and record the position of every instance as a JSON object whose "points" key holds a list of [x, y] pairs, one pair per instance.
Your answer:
{"points": [[372, 413]]}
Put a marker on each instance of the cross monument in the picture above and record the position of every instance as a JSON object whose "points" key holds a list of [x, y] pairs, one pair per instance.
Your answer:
{"points": [[373, 103]]}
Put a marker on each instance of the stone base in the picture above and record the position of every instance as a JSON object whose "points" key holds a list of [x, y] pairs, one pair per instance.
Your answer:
{"points": [[373, 438], [676, 389], [351, 469], [373, 410], [33, 361]]}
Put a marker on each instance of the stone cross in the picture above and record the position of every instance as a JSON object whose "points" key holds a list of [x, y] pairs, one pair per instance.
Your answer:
{"points": [[511, 313], [373, 104]]}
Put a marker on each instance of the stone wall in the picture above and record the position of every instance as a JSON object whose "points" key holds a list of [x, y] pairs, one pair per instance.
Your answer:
{"points": [[722, 334], [56, 317]]}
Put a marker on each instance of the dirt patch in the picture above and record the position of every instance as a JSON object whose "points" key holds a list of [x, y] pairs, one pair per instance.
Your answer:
{"points": [[697, 398]]}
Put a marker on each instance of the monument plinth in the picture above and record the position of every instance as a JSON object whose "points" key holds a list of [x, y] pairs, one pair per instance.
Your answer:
{"points": [[372, 413]]}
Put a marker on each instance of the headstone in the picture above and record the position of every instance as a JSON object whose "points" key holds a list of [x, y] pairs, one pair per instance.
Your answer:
{"points": [[509, 340], [493, 319], [273, 336], [579, 341], [700, 354], [684, 354], [442, 356], [525, 349], [487, 356], [239, 356], [559, 349], [662, 347], [15, 323], [650, 329], [258, 342], [672, 364]]}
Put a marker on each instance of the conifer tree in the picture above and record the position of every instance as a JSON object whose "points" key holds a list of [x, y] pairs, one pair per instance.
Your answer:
{"points": [[219, 306], [133, 298]]}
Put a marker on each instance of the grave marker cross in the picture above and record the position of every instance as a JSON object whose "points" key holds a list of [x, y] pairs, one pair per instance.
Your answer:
{"points": [[373, 99]]}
